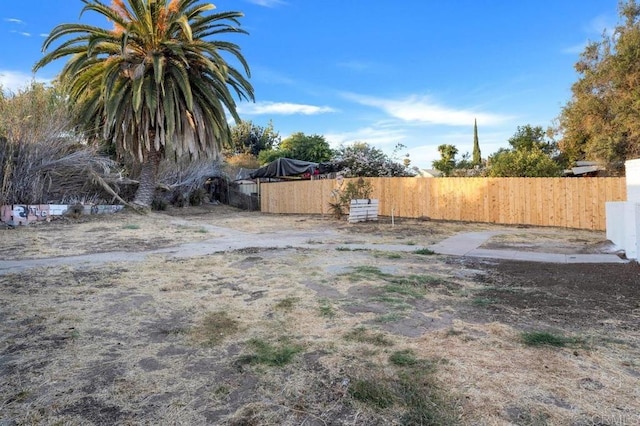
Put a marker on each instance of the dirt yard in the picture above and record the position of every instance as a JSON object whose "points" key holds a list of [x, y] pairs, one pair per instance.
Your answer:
{"points": [[211, 315]]}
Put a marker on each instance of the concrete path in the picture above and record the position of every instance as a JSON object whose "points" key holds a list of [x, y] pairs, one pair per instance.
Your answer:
{"points": [[465, 244], [226, 240], [468, 244]]}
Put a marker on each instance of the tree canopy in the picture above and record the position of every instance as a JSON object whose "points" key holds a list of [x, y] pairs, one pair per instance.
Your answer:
{"points": [[523, 163], [527, 138], [447, 161], [313, 148], [299, 146], [363, 160], [601, 122], [156, 83], [530, 155], [249, 138]]}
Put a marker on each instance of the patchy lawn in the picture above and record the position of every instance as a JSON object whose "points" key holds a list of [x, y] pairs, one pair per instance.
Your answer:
{"points": [[313, 334]]}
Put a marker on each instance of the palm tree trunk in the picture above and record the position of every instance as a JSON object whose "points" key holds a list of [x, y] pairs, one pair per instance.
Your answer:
{"points": [[148, 179]]}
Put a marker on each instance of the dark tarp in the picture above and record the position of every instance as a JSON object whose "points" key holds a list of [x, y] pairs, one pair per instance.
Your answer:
{"points": [[285, 167], [325, 168]]}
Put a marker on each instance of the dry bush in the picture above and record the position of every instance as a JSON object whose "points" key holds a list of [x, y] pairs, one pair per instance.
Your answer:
{"points": [[244, 160], [41, 158], [183, 182], [44, 159]]}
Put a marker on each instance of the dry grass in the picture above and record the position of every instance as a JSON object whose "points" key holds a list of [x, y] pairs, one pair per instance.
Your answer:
{"points": [[564, 241], [200, 341]]}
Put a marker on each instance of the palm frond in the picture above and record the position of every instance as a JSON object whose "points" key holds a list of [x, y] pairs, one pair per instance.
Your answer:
{"points": [[159, 79]]}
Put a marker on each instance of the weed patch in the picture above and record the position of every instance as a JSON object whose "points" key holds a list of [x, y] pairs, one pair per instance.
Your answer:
{"points": [[375, 393], [390, 317], [326, 310], [397, 303], [131, 226], [405, 290], [403, 358], [382, 254], [367, 270], [414, 286], [412, 391], [483, 301], [543, 338], [425, 402], [410, 285], [287, 303], [214, 328], [362, 335], [270, 354], [425, 252]]}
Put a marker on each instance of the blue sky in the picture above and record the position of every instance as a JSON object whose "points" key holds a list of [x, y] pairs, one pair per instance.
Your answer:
{"points": [[416, 72]]}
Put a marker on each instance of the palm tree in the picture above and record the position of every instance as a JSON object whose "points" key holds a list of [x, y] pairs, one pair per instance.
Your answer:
{"points": [[156, 84]]}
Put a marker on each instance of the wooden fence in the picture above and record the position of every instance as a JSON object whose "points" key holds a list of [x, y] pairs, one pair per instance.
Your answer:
{"points": [[563, 202]]}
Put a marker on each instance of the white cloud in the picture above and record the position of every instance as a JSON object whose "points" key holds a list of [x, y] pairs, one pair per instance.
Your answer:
{"points": [[270, 76], [423, 156], [601, 24], [375, 135], [575, 49], [369, 67], [21, 33], [282, 108], [14, 20], [267, 3], [44, 34], [13, 81], [421, 109], [598, 26]]}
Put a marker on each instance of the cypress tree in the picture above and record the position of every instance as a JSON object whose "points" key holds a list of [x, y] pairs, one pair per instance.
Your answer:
{"points": [[477, 159]]}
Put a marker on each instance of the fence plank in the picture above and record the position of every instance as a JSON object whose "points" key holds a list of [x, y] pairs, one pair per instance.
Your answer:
{"points": [[563, 202]]}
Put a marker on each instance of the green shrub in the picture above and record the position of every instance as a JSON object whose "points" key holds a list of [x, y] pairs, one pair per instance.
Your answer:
{"points": [[360, 189], [543, 338], [270, 354]]}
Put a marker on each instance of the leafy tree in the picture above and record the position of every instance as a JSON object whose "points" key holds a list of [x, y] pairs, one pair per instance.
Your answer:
{"points": [[447, 161], [465, 163], [477, 157], [449, 165], [528, 138], [156, 83], [249, 138], [523, 163], [530, 155], [269, 155], [299, 146], [601, 122], [362, 160], [313, 148]]}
